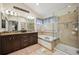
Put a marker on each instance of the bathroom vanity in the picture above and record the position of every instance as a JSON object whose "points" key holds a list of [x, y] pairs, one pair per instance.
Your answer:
{"points": [[10, 42]]}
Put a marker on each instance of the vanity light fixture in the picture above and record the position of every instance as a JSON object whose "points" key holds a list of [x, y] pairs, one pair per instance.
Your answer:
{"points": [[10, 12]]}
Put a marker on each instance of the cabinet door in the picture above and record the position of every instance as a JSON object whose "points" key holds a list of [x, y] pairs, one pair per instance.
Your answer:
{"points": [[7, 44], [33, 38], [16, 42], [24, 40], [10, 43]]}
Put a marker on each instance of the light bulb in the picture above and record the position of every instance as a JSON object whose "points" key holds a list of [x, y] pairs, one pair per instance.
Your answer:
{"points": [[11, 12], [7, 12], [15, 14]]}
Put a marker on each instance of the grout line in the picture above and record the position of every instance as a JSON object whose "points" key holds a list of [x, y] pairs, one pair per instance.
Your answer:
{"points": [[62, 51]]}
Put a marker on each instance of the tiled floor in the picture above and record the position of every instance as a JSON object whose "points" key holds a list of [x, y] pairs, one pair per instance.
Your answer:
{"points": [[37, 50], [27, 50], [67, 49]]}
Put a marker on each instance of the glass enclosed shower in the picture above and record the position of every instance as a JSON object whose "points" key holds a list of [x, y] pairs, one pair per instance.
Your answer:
{"points": [[65, 28], [69, 32]]}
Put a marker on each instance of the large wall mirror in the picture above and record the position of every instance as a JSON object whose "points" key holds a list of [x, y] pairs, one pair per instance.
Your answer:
{"points": [[30, 25], [12, 25]]}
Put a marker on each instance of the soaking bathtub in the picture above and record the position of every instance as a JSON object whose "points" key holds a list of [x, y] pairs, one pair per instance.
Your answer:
{"points": [[48, 42]]}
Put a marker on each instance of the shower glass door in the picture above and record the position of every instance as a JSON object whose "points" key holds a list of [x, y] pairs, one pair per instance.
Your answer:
{"points": [[68, 32]]}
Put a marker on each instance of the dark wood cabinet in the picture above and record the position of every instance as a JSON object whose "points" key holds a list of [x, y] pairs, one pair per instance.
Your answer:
{"points": [[33, 41], [6, 43], [10, 43], [0, 46], [16, 42]]}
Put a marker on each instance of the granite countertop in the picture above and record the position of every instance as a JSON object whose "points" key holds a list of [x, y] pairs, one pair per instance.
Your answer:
{"points": [[11, 33]]}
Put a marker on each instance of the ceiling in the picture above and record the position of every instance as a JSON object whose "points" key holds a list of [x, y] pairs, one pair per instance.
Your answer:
{"points": [[49, 9]]}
